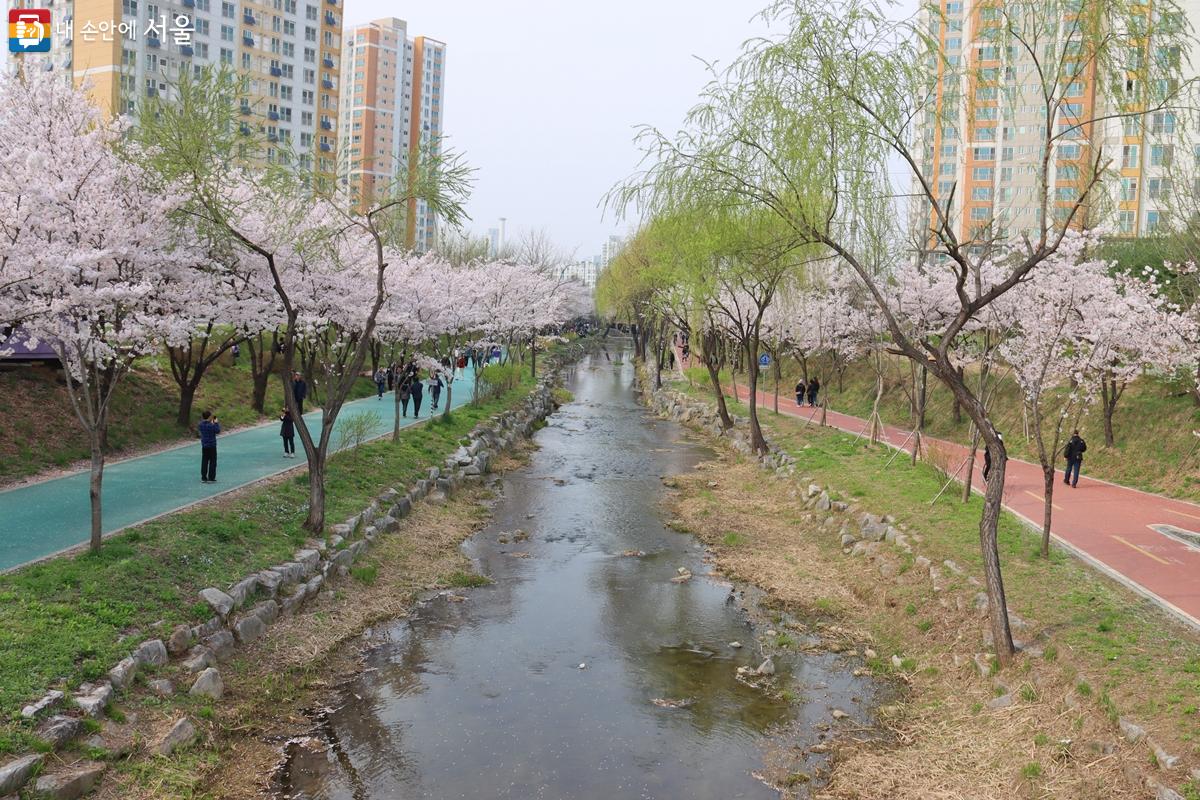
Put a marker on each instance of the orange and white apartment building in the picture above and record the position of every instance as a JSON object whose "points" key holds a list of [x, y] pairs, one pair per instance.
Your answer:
{"points": [[289, 50], [391, 112], [982, 135]]}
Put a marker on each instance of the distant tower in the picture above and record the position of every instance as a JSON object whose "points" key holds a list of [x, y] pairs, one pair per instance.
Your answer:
{"points": [[503, 225]]}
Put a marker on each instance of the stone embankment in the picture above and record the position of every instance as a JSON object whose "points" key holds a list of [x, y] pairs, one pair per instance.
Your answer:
{"points": [[879, 539], [191, 655]]}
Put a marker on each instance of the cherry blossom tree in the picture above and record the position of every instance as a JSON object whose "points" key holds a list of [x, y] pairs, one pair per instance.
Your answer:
{"points": [[87, 255]]}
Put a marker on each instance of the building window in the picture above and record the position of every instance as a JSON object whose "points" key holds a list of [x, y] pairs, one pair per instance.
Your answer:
{"points": [[1125, 222], [1152, 220], [1129, 156]]}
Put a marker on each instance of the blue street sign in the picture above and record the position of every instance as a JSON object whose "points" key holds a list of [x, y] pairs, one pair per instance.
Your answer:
{"points": [[764, 360]]}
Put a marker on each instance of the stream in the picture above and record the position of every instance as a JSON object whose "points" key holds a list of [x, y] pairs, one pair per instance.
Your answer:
{"points": [[583, 672]]}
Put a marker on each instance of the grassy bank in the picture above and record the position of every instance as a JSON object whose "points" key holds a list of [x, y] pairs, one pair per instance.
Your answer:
{"points": [[1155, 449], [70, 619], [41, 432], [270, 683], [1106, 652]]}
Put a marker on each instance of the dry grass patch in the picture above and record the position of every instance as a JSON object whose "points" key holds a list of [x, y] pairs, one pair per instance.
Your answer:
{"points": [[946, 741]]}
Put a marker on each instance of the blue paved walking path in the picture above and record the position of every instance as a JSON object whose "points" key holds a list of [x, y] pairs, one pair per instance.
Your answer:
{"points": [[44, 518]]}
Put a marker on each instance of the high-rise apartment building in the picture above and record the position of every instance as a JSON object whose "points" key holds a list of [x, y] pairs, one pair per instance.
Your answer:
{"points": [[391, 113], [127, 50], [982, 136]]}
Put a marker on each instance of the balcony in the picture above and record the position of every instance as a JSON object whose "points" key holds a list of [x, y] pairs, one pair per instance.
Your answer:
{"points": [[249, 19], [330, 19], [248, 40], [326, 83], [186, 50], [245, 109], [152, 41], [326, 125], [271, 137], [151, 91], [325, 148], [244, 129], [276, 72], [331, 2], [327, 62], [273, 116], [189, 3]]}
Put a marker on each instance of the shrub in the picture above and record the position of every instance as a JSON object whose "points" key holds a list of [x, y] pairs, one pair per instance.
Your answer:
{"points": [[353, 431], [494, 380]]}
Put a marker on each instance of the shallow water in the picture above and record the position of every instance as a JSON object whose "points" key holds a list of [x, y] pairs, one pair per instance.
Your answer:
{"points": [[543, 684]]}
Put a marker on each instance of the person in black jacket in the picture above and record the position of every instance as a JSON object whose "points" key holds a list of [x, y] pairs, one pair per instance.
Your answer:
{"points": [[287, 430], [415, 391], [801, 392], [814, 386], [299, 390], [1073, 452]]}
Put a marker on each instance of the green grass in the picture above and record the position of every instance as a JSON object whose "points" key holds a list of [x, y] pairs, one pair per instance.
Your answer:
{"points": [[62, 621], [43, 432], [467, 580], [1132, 652], [1154, 449]]}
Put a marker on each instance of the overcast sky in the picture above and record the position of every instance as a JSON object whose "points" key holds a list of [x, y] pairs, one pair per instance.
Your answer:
{"points": [[542, 96]]}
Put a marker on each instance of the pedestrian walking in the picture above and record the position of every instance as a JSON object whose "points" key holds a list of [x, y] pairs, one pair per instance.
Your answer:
{"points": [[814, 386], [1073, 452], [391, 375], [434, 384], [237, 351], [287, 430], [380, 382], [801, 392], [415, 393], [210, 426], [299, 390], [404, 388]]}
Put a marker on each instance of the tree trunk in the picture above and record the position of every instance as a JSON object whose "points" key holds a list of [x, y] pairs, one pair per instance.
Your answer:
{"points": [[316, 493], [969, 479], [775, 372], [920, 393], [757, 441], [449, 399], [714, 375], [988, 524], [187, 397], [94, 487], [533, 356], [1110, 393], [1048, 507]]}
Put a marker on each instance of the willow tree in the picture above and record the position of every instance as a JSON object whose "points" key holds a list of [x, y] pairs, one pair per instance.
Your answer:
{"points": [[809, 125]]}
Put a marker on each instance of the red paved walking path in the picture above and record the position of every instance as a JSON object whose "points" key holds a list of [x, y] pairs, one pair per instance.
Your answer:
{"points": [[1104, 524]]}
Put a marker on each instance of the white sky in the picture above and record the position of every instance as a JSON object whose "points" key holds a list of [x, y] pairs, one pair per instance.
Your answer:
{"points": [[542, 96]]}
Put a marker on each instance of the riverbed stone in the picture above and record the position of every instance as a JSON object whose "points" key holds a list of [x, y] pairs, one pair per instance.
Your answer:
{"points": [[218, 600], [161, 687], [208, 684], [122, 674], [309, 559], [1003, 701], [267, 611], [180, 640], [221, 644], [152, 653], [48, 700], [16, 774], [249, 628], [94, 702], [1165, 760], [243, 590], [199, 658], [180, 734], [1131, 730], [314, 585], [70, 784], [58, 730], [269, 581]]}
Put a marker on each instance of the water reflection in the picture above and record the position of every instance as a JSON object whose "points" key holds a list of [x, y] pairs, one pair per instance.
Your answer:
{"points": [[581, 673]]}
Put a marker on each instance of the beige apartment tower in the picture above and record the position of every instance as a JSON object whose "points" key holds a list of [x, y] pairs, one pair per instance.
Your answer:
{"points": [[983, 133], [391, 112], [127, 50]]}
